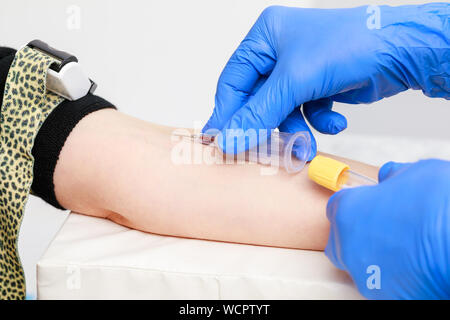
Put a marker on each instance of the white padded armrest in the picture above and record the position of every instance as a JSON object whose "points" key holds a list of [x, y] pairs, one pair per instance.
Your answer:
{"points": [[93, 258]]}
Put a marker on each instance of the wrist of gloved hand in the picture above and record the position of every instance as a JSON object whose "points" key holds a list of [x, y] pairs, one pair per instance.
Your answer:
{"points": [[417, 46]]}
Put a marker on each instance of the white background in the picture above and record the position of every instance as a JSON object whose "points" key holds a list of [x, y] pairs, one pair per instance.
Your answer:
{"points": [[160, 61]]}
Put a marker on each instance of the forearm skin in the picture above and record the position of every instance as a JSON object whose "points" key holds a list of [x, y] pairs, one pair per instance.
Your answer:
{"points": [[118, 167]]}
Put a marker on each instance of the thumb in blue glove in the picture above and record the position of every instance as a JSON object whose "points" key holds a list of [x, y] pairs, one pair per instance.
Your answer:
{"points": [[398, 229]]}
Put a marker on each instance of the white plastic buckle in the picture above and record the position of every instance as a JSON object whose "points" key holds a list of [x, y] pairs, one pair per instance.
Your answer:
{"points": [[65, 78], [70, 82]]}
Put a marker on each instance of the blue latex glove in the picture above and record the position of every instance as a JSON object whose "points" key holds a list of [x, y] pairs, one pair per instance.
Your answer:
{"points": [[295, 56], [401, 226]]}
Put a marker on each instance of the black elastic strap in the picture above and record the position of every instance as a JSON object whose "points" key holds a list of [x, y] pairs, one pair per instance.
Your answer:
{"points": [[51, 138]]}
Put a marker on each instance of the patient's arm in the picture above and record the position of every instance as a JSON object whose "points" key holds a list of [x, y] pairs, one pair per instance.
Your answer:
{"points": [[119, 167]]}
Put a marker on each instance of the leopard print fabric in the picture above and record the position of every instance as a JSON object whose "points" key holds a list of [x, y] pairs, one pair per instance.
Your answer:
{"points": [[26, 104]]}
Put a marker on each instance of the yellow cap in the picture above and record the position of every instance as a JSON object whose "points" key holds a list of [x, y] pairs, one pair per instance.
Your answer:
{"points": [[327, 172]]}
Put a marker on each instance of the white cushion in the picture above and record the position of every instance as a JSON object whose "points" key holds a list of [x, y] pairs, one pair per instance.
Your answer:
{"points": [[93, 258]]}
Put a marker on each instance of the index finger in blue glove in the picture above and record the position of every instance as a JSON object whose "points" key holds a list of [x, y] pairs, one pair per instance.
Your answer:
{"points": [[265, 110]]}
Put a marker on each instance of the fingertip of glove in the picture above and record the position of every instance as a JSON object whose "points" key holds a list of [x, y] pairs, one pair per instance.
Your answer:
{"points": [[383, 173], [388, 170], [329, 122], [337, 124]]}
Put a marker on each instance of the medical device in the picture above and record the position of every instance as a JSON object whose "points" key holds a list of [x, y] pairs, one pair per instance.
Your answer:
{"points": [[336, 175], [289, 151], [65, 78]]}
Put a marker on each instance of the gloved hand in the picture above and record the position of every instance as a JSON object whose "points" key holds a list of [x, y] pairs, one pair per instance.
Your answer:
{"points": [[395, 235], [295, 56]]}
